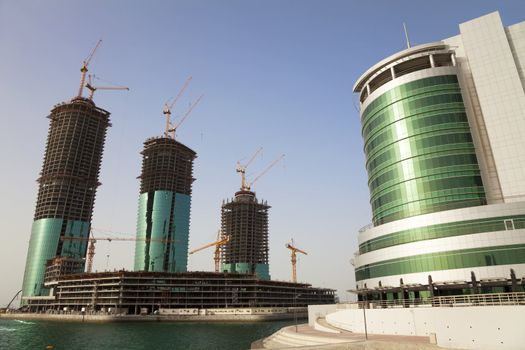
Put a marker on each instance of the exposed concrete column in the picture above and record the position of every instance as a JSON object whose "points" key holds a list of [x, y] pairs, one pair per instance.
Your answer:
{"points": [[393, 72], [453, 58], [432, 62], [367, 89]]}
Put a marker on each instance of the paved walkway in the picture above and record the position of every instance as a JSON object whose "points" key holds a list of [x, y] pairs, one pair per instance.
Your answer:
{"points": [[307, 337]]}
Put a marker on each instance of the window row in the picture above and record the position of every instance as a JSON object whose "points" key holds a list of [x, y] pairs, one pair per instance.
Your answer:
{"points": [[442, 231], [458, 259]]}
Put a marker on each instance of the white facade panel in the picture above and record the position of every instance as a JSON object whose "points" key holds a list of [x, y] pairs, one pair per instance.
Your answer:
{"points": [[501, 97]]}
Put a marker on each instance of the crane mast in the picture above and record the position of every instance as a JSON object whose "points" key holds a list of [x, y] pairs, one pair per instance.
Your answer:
{"points": [[242, 169], [84, 68], [294, 250], [168, 107]]}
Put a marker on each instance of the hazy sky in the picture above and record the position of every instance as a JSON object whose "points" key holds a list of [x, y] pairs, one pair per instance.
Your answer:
{"points": [[277, 74]]}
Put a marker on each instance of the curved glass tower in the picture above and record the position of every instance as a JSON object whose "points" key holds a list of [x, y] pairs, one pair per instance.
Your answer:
{"points": [[163, 220], [444, 165], [67, 188]]}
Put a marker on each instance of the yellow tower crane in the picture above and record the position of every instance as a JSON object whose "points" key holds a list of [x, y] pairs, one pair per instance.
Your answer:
{"points": [[221, 240], [168, 106], [84, 68], [92, 240], [294, 251], [241, 168], [92, 88]]}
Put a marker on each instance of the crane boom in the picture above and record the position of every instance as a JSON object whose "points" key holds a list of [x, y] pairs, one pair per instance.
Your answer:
{"points": [[92, 88], [84, 68], [218, 244], [92, 240], [265, 171], [242, 168], [167, 108], [291, 247]]}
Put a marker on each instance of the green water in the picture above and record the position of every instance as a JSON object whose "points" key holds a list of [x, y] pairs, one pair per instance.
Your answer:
{"points": [[19, 335]]}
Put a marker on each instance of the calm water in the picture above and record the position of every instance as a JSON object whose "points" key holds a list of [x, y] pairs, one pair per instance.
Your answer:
{"points": [[188, 336]]}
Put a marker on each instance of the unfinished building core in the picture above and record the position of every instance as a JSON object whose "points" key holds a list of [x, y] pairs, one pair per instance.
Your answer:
{"points": [[245, 221], [163, 220], [67, 188]]}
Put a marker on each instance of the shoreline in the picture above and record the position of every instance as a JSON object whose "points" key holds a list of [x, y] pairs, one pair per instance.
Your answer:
{"points": [[150, 318]]}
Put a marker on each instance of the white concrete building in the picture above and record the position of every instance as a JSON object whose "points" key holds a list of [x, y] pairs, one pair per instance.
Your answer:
{"points": [[444, 137]]}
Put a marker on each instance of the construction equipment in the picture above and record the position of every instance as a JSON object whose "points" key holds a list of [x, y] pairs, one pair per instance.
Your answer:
{"points": [[242, 169], [168, 107], [173, 129], [92, 88], [249, 185], [294, 251], [92, 240], [84, 68], [221, 240]]}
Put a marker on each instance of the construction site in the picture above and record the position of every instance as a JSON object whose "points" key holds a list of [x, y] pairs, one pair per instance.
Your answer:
{"points": [[59, 277]]}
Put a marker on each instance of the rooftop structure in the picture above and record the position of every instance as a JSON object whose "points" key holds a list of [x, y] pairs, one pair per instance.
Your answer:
{"points": [[442, 126]]}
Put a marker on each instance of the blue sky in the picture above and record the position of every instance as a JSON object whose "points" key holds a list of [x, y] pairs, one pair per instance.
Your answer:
{"points": [[277, 74]]}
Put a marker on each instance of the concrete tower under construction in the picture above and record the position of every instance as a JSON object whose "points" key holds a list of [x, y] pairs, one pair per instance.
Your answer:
{"points": [[245, 220], [163, 221], [67, 187]]}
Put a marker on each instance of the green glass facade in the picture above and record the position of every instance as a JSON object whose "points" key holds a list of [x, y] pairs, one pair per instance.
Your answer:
{"points": [[162, 232], [261, 270], [442, 231], [45, 244], [419, 151], [456, 259]]}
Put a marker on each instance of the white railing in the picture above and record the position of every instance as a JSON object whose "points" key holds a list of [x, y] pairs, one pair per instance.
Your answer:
{"points": [[492, 299]]}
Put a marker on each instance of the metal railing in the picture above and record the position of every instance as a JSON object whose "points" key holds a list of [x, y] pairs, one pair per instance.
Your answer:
{"points": [[493, 299], [481, 299]]}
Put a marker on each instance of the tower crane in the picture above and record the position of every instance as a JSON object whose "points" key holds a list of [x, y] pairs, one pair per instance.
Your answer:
{"points": [[173, 129], [84, 68], [92, 240], [248, 185], [294, 251], [168, 107], [241, 168], [221, 240], [92, 88]]}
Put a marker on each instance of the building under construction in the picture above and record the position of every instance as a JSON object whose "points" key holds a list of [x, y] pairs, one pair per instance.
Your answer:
{"points": [[245, 221], [132, 293], [163, 220], [67, 186]]}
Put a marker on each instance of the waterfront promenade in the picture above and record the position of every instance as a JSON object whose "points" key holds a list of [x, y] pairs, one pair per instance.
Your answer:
{"points": [[306, 337]]}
